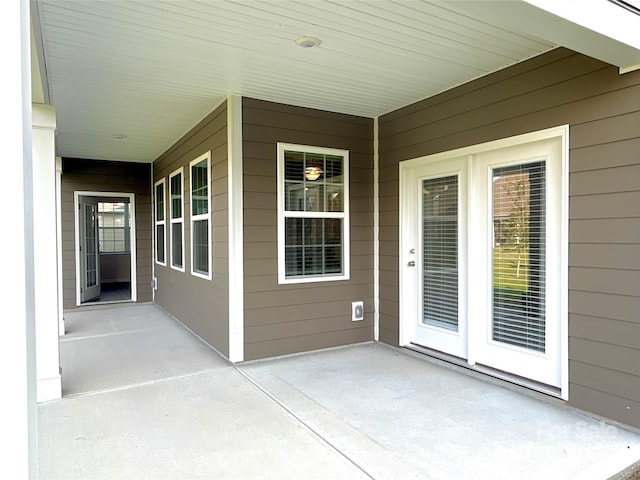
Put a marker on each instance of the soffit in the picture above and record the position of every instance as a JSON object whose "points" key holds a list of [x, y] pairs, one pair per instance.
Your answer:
{"points": [[152, 69]]}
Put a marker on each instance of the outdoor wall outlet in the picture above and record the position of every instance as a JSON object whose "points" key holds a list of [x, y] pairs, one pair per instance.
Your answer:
{"points": [[357, 311], [154, 283]]}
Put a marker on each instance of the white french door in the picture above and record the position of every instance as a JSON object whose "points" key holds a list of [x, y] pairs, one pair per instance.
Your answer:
{"points": [[439, 255], [483, 255], [89, 249]]}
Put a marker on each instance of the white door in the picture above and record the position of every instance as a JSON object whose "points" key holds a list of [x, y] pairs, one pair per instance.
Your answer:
{"points": [[518, 316], [439, 192], [483, 267], [89, 249]]}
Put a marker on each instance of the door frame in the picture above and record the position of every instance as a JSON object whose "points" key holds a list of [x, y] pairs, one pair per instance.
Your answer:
{"points": [[132, 237], [408, 282]]}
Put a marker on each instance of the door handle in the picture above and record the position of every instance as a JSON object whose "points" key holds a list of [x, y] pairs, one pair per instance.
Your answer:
{"points": [[412, 263]]}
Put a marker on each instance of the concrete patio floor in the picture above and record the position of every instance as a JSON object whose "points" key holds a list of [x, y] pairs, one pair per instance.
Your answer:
{"points": [[146, 399]]}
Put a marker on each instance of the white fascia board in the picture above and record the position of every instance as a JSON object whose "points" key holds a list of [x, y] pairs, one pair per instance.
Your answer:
{"points": [[599, 16], [596, 28]]}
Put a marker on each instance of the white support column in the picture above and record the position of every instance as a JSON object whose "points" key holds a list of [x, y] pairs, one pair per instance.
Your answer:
{"points": [[61, 330], [45, 253], [236, 233], [18, 415]]}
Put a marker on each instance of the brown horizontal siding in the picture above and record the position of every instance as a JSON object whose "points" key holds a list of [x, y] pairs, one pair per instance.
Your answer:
{"points": [[282, 319], [603, 111], [606, 205], [603, 280], [597, 157], [618, 332], [202, 305], [304, 343], [604, 403], [604, 255], [105, 176]]}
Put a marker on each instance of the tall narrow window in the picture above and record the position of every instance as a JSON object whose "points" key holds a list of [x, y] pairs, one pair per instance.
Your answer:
{"points": [[200, 175], [519, 255], [313, 214], [176, 219], [160, 222]]}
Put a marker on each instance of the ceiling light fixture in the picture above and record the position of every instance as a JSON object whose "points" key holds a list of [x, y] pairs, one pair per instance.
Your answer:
{"points": [[312, 173], [308, 42]]}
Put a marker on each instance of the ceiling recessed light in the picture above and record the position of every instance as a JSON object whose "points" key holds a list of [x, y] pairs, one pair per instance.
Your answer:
{"points": [[308, 42], [119, 136]]}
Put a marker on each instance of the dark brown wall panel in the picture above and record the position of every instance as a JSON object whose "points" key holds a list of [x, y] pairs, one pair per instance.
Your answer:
{"points": [[106, 176], [282, 319], [202, 305], [603, 111]]}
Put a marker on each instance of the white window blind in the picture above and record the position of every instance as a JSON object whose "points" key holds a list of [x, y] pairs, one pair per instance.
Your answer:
{"points": [[440, 252], [518, 200]]}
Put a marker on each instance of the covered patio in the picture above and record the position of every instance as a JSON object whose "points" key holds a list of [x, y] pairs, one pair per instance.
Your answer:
{"points": [[145, 398]]}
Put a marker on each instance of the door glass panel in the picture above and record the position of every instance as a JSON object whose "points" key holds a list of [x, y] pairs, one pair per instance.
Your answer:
{"points": [[440, 252], [519, 255], [91, 276]]}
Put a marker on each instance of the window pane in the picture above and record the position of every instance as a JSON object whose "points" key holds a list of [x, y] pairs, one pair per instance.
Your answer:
{"points": [[440, 252], [313, 246], [333, 169], [294, 166], [201, 246], [160, 243], [313, 182], [200, 188], [159, 202], [176, 244], [519, 213], [176, 196], [335, 198], [294, 196]]}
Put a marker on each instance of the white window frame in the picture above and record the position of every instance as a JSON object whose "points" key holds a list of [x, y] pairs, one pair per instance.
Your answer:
{"points": [[283, 214], [177, 220], [125, 228], [205, 216], [160, 222]]}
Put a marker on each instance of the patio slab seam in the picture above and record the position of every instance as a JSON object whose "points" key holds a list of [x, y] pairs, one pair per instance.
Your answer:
{"points": [[144, 384], [302, 422]]}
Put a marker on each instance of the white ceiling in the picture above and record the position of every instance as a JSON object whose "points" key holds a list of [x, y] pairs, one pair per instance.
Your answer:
{"points": [[151, 69]]}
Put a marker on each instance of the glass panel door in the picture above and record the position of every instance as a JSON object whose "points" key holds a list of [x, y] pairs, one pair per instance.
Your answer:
{"points": [[481, 259], [518, 327], [89, 250], [438, 193]]}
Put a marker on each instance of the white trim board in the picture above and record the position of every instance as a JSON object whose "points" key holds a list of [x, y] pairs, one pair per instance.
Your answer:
{"points": [[236, 225]]}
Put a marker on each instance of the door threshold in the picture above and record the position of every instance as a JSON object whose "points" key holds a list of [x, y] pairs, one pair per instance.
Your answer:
{"points": [[486, 371], [106, 302]]}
